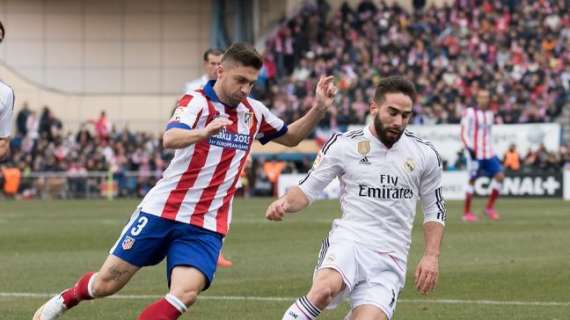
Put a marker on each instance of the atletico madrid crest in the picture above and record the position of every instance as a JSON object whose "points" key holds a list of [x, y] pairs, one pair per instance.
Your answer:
{"points": [[128, 243], [248, 119]]}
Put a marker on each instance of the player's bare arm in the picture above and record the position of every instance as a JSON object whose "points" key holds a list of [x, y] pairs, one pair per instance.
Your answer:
{"points": [[427, 271], [293, 201], [300, 129], [181, 138]]}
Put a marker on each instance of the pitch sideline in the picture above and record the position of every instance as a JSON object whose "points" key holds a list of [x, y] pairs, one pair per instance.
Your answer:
{"points": [[277, 299]]}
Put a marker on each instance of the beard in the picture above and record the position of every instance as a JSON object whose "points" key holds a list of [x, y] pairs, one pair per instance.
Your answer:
{"points": [[388, 136]]}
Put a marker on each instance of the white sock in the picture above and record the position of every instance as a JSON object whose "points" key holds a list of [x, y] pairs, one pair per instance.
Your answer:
{"points": [[90, 285], [176, 303], [302, 309]]}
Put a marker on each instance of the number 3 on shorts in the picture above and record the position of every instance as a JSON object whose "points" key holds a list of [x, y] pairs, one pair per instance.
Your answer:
{"points": [[135, 231]]}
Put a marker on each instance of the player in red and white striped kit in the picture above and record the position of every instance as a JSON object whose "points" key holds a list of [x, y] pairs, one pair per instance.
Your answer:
{"points": [[476, 126], [186, 215]]}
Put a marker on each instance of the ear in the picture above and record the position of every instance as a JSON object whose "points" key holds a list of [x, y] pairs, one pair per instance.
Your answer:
{"points": [[374, 107], [219, 71]]}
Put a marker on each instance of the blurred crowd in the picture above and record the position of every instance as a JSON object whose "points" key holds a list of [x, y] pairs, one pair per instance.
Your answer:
{"points": [[41, 145], [519, 50]]}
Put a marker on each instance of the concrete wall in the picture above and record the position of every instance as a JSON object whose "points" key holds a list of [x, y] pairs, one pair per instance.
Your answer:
{"points": [[106, 46]]}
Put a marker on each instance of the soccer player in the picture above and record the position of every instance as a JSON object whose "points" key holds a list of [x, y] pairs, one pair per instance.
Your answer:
{"points": [[382, 169], [185, 216], [6, 110], [476, 125], [212, 59]]}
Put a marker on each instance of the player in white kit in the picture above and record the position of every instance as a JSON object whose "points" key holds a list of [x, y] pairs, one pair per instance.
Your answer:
{"points": [[6, 110], [383, 169]]}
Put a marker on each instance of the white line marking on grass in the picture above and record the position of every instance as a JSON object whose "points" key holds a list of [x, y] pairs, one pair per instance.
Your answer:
{"points": [[278, 299]]}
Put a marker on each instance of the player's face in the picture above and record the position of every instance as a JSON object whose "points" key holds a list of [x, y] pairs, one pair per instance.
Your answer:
{"points": [[483, 99], [391, 116], [236, 82], [211, 65]]}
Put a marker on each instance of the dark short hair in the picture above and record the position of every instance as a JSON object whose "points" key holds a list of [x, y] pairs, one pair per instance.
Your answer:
{"points": [[2, 31], [395, 84], [214, 52], [243, 54]]}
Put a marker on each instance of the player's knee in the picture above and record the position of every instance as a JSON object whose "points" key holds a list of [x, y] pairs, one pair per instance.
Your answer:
{"points": [[500, 177], [321, 295], [188, 297]]}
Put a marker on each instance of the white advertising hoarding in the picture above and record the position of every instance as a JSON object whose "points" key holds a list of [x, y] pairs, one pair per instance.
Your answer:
{"points": [[447, 141], [529, 185]]}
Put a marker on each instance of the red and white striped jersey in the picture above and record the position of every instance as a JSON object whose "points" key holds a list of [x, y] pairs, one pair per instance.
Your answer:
{"points": [[199, 184], [476, 128]]}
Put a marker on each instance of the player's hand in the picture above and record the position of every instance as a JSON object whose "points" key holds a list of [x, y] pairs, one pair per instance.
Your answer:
{"points": [[216, 125], [325, 92], [427, 274], [276, 210]]}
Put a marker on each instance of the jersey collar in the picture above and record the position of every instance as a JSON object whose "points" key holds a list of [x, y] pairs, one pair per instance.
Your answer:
{"points": [[211, 94]]}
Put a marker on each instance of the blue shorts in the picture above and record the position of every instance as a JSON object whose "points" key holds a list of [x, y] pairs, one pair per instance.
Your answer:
{"points": [[484, 167], [147, 239]]}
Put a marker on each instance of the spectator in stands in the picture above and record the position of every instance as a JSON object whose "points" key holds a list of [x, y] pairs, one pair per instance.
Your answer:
{"points": [[22, 120], [452, 51], [511, 160], [102, 126]]}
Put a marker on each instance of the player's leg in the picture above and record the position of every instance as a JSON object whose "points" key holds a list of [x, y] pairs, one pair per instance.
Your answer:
{"points": [[473, 169], [139, 245], [191, 264], [368, 312], [468, 214], [186, 285], [496, 171], [328, 283], [223, 262], [113, 275], [335, 271]]}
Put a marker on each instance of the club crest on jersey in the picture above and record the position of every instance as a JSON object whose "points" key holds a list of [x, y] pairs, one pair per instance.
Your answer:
{"points": [[410, 165], [363, 149], [248, 119], [128, 243]]}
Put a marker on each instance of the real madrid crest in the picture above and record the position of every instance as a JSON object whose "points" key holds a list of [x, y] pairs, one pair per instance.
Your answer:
{"points": [[410, 165], [363, 149]]}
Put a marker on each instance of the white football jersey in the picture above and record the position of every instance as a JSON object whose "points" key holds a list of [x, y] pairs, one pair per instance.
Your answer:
{"points": [[379, 187], [6, 109]]}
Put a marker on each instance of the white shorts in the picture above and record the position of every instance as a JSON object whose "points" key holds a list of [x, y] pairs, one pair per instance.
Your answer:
{"points": [[371, 277]]}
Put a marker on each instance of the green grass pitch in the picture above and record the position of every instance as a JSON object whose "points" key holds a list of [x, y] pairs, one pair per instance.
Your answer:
{"points": [[515, 268]]}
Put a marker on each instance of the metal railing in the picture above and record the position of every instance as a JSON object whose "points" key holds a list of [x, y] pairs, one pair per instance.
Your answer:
{"points": [[90, 185]]}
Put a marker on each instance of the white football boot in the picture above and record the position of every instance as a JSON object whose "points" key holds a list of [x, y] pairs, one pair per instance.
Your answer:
{"points": [[51, 310]]}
